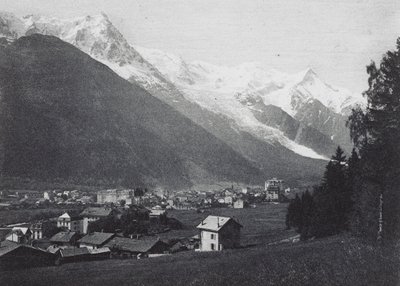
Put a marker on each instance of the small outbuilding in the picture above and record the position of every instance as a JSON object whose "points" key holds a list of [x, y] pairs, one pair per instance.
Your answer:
{"points": [[95, 240], [65, 238], [128, 246], [14, 255]]}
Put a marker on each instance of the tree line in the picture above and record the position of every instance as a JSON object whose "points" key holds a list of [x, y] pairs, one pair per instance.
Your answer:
{"points": [[361, 194]]}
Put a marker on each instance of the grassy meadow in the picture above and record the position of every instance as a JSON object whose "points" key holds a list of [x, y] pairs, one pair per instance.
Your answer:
{"points": [[263, 224], [337, 260]]}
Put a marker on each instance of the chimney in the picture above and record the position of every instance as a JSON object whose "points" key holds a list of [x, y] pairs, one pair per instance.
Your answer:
{"points": [[218, 221]]}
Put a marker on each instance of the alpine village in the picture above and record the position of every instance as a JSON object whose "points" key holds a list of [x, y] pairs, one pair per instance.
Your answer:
{"points": [[124, 165]]}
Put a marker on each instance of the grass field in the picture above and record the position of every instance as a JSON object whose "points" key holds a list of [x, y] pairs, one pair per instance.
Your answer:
{"points": [[332, 261], [263, 224]]}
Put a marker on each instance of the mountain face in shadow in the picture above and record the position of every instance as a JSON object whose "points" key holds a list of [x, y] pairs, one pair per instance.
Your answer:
{"points": [[65, 115]]}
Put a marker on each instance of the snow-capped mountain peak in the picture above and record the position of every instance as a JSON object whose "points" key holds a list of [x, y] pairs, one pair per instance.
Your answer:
{"points": [[241, 93]]}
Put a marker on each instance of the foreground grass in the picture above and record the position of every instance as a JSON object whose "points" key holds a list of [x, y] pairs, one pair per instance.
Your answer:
{"points": [[333, 261]]}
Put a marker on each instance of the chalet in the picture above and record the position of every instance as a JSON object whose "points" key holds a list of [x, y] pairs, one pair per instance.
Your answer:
{"points": [[95, 240], [99, 253], [73, 254], [65, 238], [95, 213], [71, 223], [128, 246], [19, 235], [14, 255], [218, 233]]}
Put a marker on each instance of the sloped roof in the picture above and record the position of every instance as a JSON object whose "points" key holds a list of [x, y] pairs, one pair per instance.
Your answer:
{"points": [[132, 245], [53, 249], [157, 212], [63, 236], [215, 223], [21, 230], [4, 232], [96, 212], [65, 215], [74, 251], [8, 247], [99, 250], [96, 238]]}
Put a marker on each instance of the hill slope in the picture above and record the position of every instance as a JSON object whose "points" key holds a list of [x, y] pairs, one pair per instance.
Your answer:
{"points": [[66, 115]]}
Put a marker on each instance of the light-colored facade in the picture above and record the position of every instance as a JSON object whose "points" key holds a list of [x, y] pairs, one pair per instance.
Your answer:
{"points": [[70, 223], [239, 204], [93, 214], [19, 235], [273, 189], [218, 233], [115, 196]]}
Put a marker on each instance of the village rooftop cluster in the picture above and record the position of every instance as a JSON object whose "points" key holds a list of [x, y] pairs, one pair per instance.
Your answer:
{"points": [[121, 223]]}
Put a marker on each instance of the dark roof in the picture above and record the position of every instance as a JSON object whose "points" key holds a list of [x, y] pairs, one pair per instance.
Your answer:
{"points": [[4, 232], [71, 252], [215, 223], [63, 236], [132, 245], [96, 238], [96, 212], [8, 246]]}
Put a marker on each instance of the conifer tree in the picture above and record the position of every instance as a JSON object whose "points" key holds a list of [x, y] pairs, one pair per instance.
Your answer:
{"points": [[376, 133]]}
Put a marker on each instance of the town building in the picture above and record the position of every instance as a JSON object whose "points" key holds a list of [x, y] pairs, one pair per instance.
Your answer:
{"points": [[129, 247], [71, 223], [95, 240], [37, 230], [65, 239], [218, 233], [115, 196], [273, 189], [20, 235], [95, 213], [14, 255], [238, 204]]}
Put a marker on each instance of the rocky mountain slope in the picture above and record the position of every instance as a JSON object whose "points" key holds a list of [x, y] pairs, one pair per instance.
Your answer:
{"points": [[280, 122], [65, 115]]}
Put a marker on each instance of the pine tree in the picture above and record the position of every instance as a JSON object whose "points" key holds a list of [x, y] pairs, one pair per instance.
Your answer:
{"points": [[293, 216], [307, 212], [330, 208], [376, 133]]}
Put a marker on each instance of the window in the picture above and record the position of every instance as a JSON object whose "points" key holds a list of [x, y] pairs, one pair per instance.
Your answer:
{"points": [[212, 246], [212, 236]]}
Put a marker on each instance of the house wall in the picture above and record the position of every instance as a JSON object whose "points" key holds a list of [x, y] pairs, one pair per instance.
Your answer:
{"points": [[89, 246], [85, 223], [75, 225], [37, 234], [13, 237], [229, 235], [207, 241], [239, 204]]}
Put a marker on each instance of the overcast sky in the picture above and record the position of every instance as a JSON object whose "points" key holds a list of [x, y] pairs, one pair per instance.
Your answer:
{"points": [[336, 38]]}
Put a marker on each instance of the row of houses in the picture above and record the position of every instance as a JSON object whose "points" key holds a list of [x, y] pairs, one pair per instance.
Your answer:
{"points": [[216, 233]]}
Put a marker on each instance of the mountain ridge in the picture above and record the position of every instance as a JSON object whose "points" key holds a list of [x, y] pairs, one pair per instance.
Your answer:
{"points": [[66, 115], [242, 138]]}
